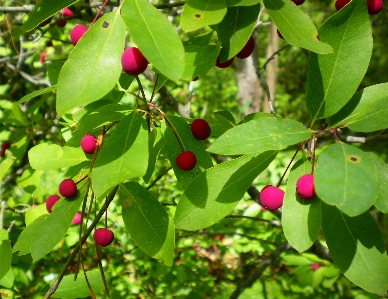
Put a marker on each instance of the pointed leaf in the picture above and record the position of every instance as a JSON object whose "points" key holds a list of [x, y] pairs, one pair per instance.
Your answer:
{"points": [[357, 248], [5, 166], [200, 13], [263, 134], [147, 222], [216, 192], [333, 79], [35, 94], [235, 29], [301, 219], [123, 156], [295, 26], [353, 186], [94, 66], [173, 149], [155, 36], [381, 169], [5, 257], [50, 156]]}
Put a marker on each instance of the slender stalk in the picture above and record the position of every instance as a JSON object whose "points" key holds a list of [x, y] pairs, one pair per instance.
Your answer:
{"points": [[158, 178], [99, 12], [153, 91], [101, 269], [289, 164]]}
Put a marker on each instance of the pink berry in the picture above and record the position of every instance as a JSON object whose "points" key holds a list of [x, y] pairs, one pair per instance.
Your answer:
{"points": [[88, 143], [298, 2], [200, 129], [67, 13], [51, 201], [42, 56], [375, 6], [186, 160], [103, 237], [77, 32], [314, 267], [225, 64], [305, 186], [271, 197], [77, 219], [247, 50], [341, 3], [5, 145], [133, 61], [67, 188]]}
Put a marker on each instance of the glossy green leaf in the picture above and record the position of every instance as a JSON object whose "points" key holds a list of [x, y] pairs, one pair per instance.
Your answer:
{"points": [[3, 235], [235, 29], [225, 121], [213, 194], [123, 156], [42, 11], [35, 212], [301, 219], [173, 149], [53, 71], [5, 166], [52, 230], [242, 2], [357, 248], [147, 222], [381, 169], [296, 26], [69, 289], [29, 180], [50, 156], [8, 279], [345, 177], [36, 93], [333, 79], [155, 36], [155, 145], [94, 66], [260, 135], [366, 111], [5, 257], [200, 13]]}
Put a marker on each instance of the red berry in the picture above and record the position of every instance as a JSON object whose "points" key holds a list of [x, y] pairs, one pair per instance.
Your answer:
{"points": [[77, 219], [247, 50], [314, 267], [51, 201], [279, 34], [225, 64], [61, 24], [67, 13], [103, 237], [186, 160], [133, 61], [49, 43], [271, 197], [305, 186], [67, 188], [45, 22], [77, 32], [88, 143], [5, 145], [341, 3], [298, 2], [375, 6], [200, 129], [42, 56]]}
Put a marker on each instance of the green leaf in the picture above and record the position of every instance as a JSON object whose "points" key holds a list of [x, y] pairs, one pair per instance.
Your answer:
{"points": [[301, 219], [366, 111], [5, 257], [333, 79], [35, 212], [295, 26], [381, 169], [173, 149], [94, 66], [29, 180], [242, 2], [5, 166], [200, 13], [155, 145], [50, 156], [52, 230], [260, 135], [147, 222], [23, 244], [345, 177], [69, 289], [225, 121], [8, 279], [213, 194], [3, 235], [235, 29], [53, 71], [123, 156], [357, 248], [35, 94], [42, 11], [155, 36]]}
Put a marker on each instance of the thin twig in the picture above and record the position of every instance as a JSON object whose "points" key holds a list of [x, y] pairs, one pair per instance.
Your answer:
{"points": [[28, 77], [201, 232], [158, 178], [272, 222]]}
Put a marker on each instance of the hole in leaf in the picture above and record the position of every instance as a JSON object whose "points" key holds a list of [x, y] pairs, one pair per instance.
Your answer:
{"points": [[197, 15], [105, 24]]}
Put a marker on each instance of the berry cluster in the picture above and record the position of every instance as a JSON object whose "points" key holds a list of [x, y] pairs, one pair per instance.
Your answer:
{"points": [[244, 53]]}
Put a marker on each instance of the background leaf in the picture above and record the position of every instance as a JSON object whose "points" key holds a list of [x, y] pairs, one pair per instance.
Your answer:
{"points": [[301, 219], [94, 66], [213, 194], [357, 248], [333, 79], [155, 145], [147, 222], [35, 94], [155, 36], [259, 135], [5, 257], [353, 186]]}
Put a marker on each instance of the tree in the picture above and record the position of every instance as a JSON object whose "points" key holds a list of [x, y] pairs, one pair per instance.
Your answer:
{"points": [[138, 126]]}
